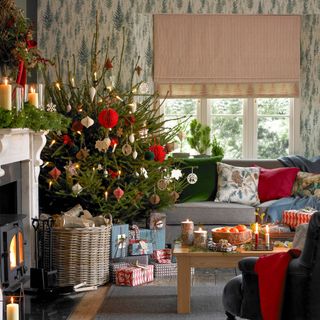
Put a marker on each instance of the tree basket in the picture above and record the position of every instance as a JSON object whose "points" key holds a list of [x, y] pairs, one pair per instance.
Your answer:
{"points": [[235, 238], [81, 255]]}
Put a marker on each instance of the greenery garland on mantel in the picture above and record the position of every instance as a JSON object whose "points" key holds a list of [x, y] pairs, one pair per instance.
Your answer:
{"points": [[33, 118]]}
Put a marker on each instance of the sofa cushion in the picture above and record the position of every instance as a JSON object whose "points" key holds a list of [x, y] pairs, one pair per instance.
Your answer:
{"points": [[276, 183], [238, 184], [306, 184], [206, 186], [211, 212]]}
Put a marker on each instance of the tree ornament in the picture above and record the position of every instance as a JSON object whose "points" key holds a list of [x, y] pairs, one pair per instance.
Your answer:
{"points": [[99, 167], [55, 173], [126, 149], [176, 174], [71, 168], [134, 154], [133, 107], [68, 107], [108, 65], [82, 154], [119, 132], [138, 69], [154, 199], [108, 118], [101, 145], [67, 140], [77, 126], [174, 195], [118, 193], [107, 142], [192, 178], [131, 138], [51, 107], [129, 120], [162, 184], [105, 173], [92, 92], [149, 155], [159, 152], [143, 88], [87, 122], [77, 188]]}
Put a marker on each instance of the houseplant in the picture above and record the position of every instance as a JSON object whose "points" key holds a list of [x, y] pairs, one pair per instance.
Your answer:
{"points": [[200, 137]]}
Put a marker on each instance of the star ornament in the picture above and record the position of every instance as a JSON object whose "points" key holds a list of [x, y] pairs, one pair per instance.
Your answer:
{"points": [[102, 145], [176, 174]]}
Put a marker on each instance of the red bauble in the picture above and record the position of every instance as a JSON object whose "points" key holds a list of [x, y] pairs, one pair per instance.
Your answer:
{"points": [[159, 152], [108, 118], [114, 140], [77, 126], [67, 140], [130, 120]]}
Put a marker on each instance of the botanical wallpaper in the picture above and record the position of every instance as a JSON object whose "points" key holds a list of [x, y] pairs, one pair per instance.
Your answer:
{"points": [[65, 28]]}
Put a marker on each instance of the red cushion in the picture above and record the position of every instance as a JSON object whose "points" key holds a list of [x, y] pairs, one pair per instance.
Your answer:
{"points": [[276, 183]]}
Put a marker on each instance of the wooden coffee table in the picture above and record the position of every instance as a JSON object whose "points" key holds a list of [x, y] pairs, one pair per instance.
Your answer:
{"points": [[187, 259]]}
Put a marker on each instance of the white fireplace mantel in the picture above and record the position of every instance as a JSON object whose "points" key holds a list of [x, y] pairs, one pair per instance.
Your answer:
{"points": [[24, 146]]}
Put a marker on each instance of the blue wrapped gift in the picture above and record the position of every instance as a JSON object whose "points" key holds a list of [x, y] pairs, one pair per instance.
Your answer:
{"points": [[138, 247], [156, 236], [119, 240]]}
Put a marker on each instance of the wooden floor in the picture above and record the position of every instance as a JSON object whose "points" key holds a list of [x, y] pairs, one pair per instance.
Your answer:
{"points": [[89, 305]]}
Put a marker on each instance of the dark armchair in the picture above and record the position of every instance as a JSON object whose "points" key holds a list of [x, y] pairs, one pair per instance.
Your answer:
{"points": [[302, 288]]}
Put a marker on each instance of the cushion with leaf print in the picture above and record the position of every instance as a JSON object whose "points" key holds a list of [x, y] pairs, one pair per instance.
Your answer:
{"points": [[238, 184], [307, 184]]}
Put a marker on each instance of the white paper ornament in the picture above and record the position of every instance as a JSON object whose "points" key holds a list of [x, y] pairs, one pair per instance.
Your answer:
{"points": [[192, 178], [51, 107], [68, 108], [107, 141], [77, 188], [126, 149], [92, 92], [131, 138], [134, 154], [133, 107], [143, 88], [87, 122], [105, 173]]}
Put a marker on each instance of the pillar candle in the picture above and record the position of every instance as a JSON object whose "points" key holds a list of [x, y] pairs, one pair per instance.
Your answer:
{"points": [[200, 238], [5, 95], [12, 311], [187, 232], [256, 234], [33, 97], [267, 236]]}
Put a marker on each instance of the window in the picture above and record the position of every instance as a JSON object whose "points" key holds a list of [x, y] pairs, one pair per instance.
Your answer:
{"points": [[262, 128]]}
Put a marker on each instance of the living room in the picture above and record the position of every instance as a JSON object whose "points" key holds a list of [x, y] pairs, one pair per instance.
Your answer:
{"points": [[246, 71]]}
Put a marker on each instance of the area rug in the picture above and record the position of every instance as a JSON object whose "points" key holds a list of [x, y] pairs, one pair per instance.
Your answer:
{"points": [[160, 302]]}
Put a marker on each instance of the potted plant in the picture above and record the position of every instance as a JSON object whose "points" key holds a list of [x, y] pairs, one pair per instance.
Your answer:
{"points": [[216, 148], [200, 137]]}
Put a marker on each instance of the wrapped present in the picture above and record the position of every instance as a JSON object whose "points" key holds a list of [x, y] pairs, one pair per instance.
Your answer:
{"points": [[162, 256], [138, 247], [295, 217], [114, 266], [119, 240], [141, 259], [135, 275], [156, 237], [157, 220], [164, 270], [134, 232]]}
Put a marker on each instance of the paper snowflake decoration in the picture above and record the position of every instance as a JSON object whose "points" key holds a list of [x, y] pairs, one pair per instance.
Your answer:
{"points": [[176, 174], [102, 145], [51, 107]]}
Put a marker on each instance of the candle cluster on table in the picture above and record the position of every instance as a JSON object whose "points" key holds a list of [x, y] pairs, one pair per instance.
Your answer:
{"points": [[200, 238], [187, 227]]}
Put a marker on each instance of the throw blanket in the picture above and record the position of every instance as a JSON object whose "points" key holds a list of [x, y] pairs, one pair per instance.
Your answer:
{"points": [[271, 270], [304, 164]]}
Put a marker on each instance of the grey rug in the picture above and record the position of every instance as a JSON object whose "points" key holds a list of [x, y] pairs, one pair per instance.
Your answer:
{"points": [[160, 302]]}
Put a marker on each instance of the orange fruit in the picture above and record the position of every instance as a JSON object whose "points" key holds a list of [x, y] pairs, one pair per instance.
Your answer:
{"points": [[241, 227], [234, 230]]}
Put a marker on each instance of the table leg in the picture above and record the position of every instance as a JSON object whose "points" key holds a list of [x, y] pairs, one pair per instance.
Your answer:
{"points": [[184, 285]]}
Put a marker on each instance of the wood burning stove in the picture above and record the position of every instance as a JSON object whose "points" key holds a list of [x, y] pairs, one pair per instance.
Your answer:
{"points": [[13, 267]]}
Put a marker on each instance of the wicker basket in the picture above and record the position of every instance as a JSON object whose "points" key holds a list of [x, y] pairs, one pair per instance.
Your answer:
{"points": [[81, 255], [234, 238]]}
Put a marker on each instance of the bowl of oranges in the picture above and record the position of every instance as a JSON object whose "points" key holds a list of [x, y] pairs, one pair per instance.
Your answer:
{"points": [[235, 235]]}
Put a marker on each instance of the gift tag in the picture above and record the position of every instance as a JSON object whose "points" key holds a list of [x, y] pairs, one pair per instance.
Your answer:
{"points": [[126, 149]]}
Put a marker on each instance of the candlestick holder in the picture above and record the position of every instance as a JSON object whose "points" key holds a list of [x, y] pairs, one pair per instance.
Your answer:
{"points": [[40, 90], [14, 304], [18, 98]]}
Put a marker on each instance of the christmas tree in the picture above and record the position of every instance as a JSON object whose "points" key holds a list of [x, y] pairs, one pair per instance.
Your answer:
{"points": [[112, 159]]}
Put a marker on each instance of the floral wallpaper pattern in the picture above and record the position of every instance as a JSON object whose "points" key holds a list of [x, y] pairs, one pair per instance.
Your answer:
{"points": [[66, 28]]}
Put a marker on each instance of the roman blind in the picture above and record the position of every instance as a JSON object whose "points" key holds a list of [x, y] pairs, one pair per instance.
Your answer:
{"points": [[226, 55]]}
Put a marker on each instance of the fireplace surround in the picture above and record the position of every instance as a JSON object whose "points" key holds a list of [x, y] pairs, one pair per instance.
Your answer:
{"points": [[20, 163]]}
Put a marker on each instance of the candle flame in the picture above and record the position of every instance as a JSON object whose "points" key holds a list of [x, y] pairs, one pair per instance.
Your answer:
{"points": [[32, 90], [200, 229], [119, 172], [11, 299], [267, 229], [58, 86], [5, 80], [106, 195], [95, 76], [187, 220]]}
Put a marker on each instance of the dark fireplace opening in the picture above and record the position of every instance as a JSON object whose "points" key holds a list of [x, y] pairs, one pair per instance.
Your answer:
{"points": [[9, 198]]}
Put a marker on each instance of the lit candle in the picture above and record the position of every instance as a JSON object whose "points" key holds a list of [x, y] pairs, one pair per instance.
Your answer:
{"points": [[119, 174], [106, 196], [5, 95], [200, 238], [72, 82], [95, 76], [114, 147], [33, 97], [12, 311], [256, 234], [187, 232], [267, 236]]}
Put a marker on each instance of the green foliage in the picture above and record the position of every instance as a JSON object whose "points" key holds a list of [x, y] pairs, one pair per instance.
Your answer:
{"points": [[200, 136], [33, 118], [216, 148]]}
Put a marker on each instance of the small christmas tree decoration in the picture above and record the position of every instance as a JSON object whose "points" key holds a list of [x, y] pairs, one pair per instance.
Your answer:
{"points": [[133, 107], [108, 118], [144, 88], [192, 178], [108, 65], [77, 126], [126, 149], [68, 108], [77, 188], [131, 138], [175, 195], [118, 193], [138, 69], [159, 152], [105, 173], [55, 173], [162, 184], [71, 168], [149, 155], [119, 132], [102, 145], [92, 92], [87, 122], [51, 107], [134, 154], [82, 154], [176, 174], [154, 199]]}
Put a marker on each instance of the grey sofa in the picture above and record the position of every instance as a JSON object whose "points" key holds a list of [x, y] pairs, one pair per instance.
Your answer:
{"points": [[212, 214]]}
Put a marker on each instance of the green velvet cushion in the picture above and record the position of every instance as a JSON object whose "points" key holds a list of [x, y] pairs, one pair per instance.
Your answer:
{"points": [[206, 186]]}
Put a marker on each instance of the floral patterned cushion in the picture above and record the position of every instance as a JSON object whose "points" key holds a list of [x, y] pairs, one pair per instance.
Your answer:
{"points": [[238, 184], [306, 184]]}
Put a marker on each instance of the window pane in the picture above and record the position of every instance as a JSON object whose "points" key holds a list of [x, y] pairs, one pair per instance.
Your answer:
{"points": [[186, 110], [273, 127], [227, 125]]}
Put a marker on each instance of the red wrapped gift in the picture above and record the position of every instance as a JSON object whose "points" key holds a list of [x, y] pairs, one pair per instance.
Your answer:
{"points": [[162, 256], [133, 276], [295, 217]]}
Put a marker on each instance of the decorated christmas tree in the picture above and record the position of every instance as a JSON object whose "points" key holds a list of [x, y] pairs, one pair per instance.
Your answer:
{"points": [[113, 157]]}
